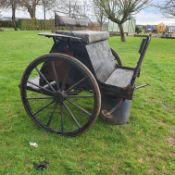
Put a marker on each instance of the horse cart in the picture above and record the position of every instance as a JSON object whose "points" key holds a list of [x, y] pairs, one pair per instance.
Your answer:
{"points": [[80, 79]]}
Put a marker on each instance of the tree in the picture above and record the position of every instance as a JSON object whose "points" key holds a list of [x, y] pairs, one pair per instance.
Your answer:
{"points": [[68, 7], [138, 30], [168, 8], [31, 5], [47, 5], [73, 8], [119, 11], [99, 13], [85, 8], [13, 5]]}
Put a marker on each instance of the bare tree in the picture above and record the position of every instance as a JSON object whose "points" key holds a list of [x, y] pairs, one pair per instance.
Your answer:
{"points": [[86, 7], [47, 6], [72, 8], [99, 13], [119, 11], [13, 5], [168, 7], [31, 5]]}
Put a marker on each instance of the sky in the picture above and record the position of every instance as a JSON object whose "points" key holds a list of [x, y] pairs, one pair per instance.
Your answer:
{"points": [[153, 16], [149, 15]]}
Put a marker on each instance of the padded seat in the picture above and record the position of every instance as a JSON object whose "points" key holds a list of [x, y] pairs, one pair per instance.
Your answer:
{"points": [[67, 21], [121, 77], [87, 36]]}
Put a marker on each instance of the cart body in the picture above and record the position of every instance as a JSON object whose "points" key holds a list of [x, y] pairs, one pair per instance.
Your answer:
{"points": [[81, 71]]}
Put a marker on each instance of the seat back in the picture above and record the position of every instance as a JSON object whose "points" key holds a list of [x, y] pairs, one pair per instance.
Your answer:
{"points": [[70, 23], [143, 48], [101, 59], [98, 50]]}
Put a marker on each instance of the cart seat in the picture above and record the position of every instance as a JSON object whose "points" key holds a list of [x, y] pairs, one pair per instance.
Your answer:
{"points": [[87, 36], [121, 77]]}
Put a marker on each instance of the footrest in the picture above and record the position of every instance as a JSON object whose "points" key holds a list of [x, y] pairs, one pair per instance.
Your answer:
{"points": [[34, 81], [34, 84]]}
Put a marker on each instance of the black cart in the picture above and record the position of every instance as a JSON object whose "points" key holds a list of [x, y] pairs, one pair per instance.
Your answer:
{"points": [[80, 79]]}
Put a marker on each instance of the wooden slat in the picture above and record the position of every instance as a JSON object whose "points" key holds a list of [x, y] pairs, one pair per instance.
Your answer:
{"points": [[120, 78]]}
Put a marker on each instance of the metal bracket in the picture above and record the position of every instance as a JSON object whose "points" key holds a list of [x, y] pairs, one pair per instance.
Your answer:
{"points": [[142, 86]]}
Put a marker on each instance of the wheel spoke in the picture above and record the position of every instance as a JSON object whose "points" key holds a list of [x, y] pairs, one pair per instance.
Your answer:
{"points": [[65, 79], [38, 91], [43, 108], [72, 115], [79, 107], [77, 96], [76, 84], [51, 116], [56, 75], [62, 119], [45, 79], [38, 98], [44, 89]]}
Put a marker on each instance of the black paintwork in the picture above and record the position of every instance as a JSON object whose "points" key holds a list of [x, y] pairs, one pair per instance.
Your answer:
{"points": [[98, 58]]}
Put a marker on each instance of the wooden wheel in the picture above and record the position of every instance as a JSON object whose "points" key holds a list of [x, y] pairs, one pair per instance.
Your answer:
{"points": [[60, 94], [116, 56]]}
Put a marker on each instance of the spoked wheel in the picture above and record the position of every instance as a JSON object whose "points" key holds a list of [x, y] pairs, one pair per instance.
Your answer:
{"points": [[116, 56], [60, 94]]}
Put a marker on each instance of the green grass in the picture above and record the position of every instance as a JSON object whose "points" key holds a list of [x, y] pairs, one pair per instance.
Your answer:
{"points": [[144, 146]]}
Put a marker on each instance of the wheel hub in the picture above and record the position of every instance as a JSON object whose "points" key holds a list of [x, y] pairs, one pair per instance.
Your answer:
{"points": [[59, 97]]}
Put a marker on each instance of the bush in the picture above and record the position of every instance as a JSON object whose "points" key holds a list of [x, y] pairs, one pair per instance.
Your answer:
{"points": [[138, 30], [33, 24], [6, 23]]}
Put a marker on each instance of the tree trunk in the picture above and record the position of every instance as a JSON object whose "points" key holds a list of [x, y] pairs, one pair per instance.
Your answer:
{"points": [[122, 33], [14, 15], [44, 10], [101, 27], [32, 12], [44, 14], [33, 16], [70, 9], [101, 23]]}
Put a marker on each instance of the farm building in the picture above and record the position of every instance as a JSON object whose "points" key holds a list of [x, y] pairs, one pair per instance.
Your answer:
{"points": [[129, 26], [151, 28], [171, 29]]}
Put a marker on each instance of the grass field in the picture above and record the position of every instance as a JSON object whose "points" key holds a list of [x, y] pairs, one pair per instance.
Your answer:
{"points": [[144, 146]]}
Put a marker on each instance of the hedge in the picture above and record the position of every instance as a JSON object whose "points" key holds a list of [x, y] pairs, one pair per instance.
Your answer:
{"points": [[6, 23], [33, 24]]}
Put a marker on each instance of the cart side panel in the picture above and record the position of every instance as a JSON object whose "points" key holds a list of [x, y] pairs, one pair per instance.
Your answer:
{"points": [[74, 49]]}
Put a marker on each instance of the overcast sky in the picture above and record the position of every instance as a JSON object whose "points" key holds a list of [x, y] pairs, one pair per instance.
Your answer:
{"points": [[150, 15]]}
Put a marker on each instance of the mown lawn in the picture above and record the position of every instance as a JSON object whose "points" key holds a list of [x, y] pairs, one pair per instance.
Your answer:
{"points": [[144, 146]]}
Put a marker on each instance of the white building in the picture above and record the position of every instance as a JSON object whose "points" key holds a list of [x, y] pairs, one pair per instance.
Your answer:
{"points": [[171, 29], [129, 26]]}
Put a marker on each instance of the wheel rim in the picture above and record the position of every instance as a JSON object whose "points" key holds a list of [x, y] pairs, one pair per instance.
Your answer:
{"points": [[64, 101]]}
